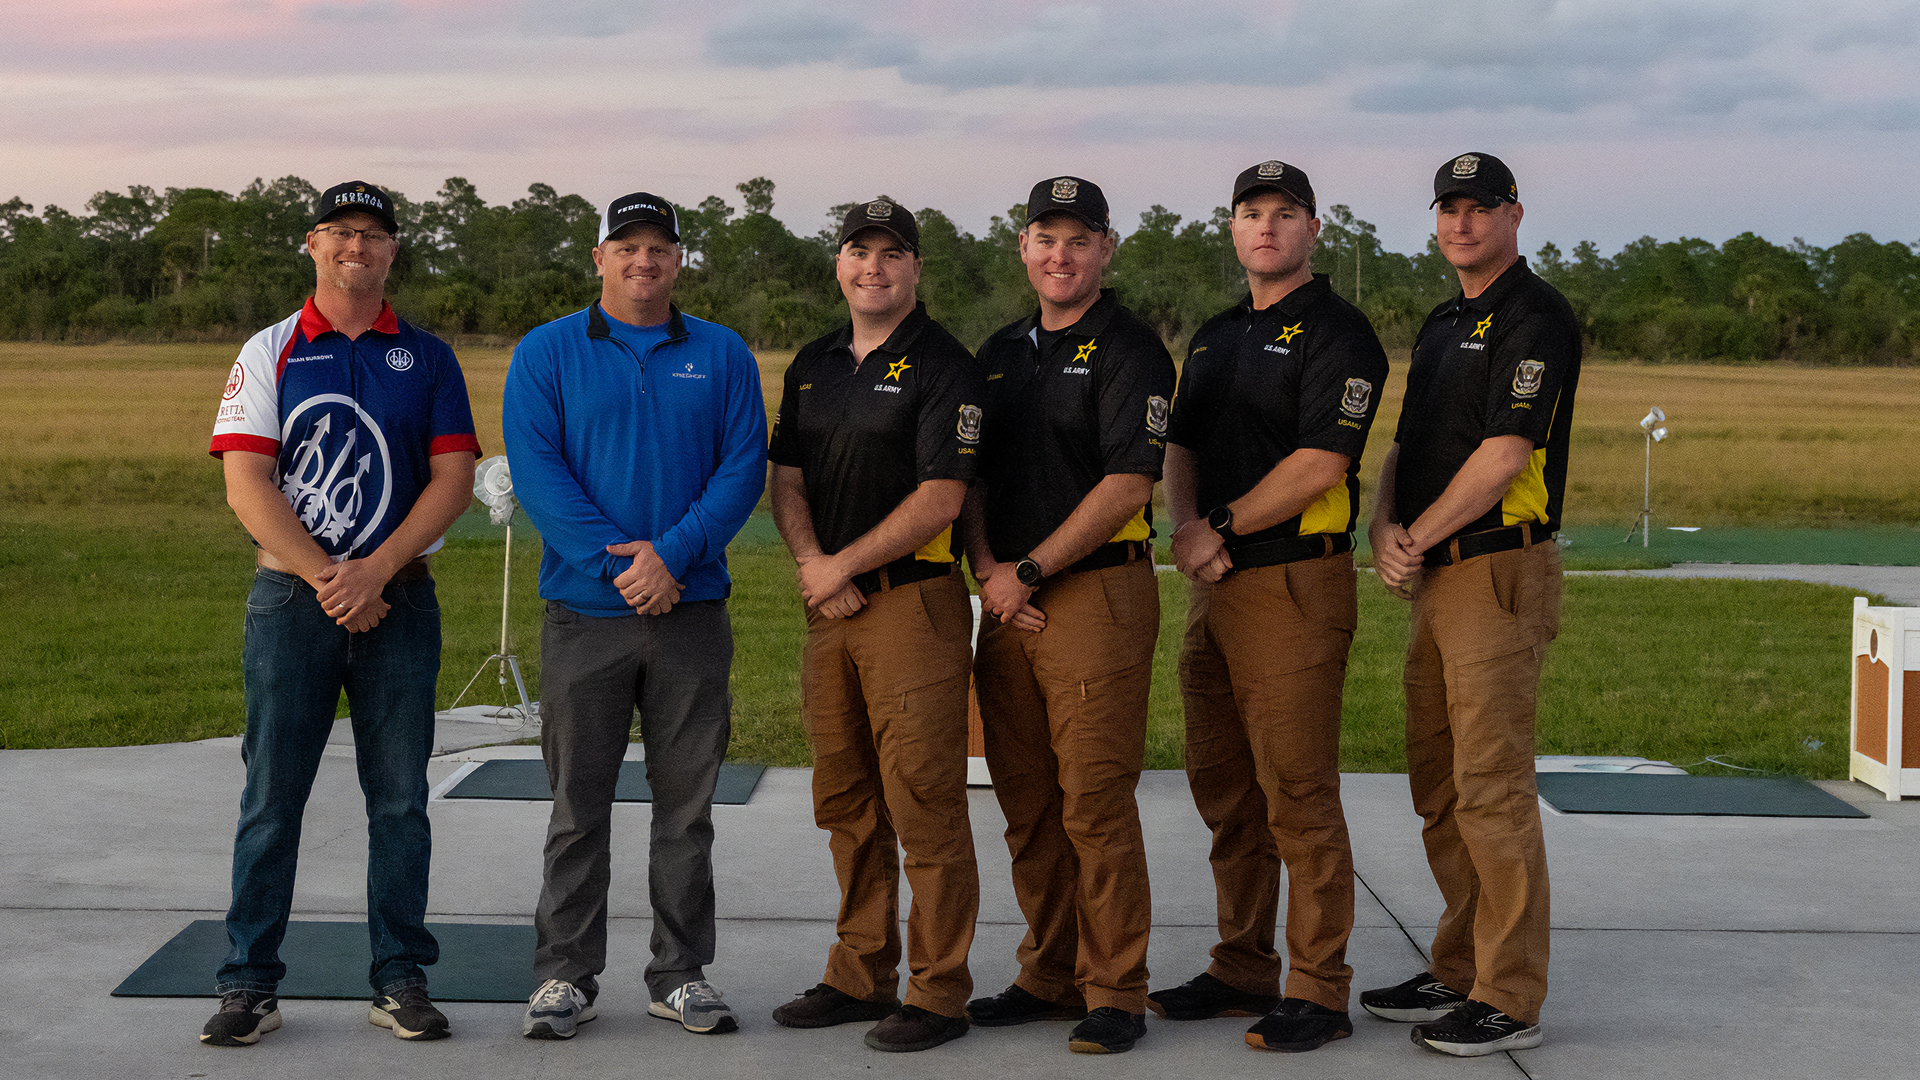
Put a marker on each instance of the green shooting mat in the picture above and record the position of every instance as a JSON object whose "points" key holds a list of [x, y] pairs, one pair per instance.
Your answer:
{"points": [[527, 779], [478, 962], [1710, 796]]}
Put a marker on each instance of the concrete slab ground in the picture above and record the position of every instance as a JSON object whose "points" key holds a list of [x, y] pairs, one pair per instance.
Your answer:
{"points": [[1899, 584], [1684, 947]]}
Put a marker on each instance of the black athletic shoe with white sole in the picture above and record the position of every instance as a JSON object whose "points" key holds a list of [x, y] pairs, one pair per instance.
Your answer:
{"points": [[1420, 998], [1476, 1029], [244, 1016], [409, 1014]]}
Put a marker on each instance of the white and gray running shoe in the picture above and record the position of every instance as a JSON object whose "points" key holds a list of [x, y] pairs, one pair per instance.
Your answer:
{"points": [[556, 1010], [698, 1008]]}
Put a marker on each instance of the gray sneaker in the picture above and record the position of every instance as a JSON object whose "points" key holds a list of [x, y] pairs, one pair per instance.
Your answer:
{"points": [[556, 1010], [698, 1008]]}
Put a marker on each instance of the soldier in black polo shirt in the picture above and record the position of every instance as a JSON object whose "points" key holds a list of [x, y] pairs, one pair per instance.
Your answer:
{"points": [[1469, 501], [877, 436], [1263, 467], [1058, 532]]}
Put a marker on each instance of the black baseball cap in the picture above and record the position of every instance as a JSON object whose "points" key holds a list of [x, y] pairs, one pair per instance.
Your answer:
{"points": [[1069, 195], [1275, 176], [639, 208], [355, 195], [883, 214], [1482, 177]]}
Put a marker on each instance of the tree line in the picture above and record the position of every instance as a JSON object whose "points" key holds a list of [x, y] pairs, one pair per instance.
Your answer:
{"points": [[196, 263]]}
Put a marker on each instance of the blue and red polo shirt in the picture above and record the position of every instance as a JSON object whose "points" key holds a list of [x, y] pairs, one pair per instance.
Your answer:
{"points": [[352, 424]]}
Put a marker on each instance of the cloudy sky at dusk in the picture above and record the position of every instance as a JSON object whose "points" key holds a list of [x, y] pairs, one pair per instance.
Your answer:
{"points": [[1620, 117]]}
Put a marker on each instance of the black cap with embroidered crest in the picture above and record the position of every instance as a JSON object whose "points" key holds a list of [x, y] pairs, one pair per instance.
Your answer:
{"points": [[355, 195], [1275, 176], [1069, 195], [886, 215], [639, 208], [1481, 177]]}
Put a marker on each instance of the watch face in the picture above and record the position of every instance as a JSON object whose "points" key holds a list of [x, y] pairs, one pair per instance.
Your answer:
{"points": [[1220, 518], [1027, 571]]}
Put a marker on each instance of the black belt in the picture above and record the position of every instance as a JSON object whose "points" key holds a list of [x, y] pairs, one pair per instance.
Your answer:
{"points": [[418, 568], [900, 572], [1109, 555], [1474, 545], [1289, 549]]}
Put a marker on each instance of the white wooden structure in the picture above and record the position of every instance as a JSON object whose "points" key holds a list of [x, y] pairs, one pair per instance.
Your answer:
{"points": [[1886, 691]]}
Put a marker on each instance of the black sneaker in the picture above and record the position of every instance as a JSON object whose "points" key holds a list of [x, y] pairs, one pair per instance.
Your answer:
{"points": [[409, 1014], [1476, 1029], [244, 1016], [911, 1028], [823, 1006], [1107, 1030], [1016, 1006], [1422, 997], [1298, 1025], [1204, 997]]}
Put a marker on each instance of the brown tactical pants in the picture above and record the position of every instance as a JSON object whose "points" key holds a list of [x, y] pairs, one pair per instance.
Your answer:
{"points": [[884, 696], [1261, 672], [1480, 631], [1064, 712]]}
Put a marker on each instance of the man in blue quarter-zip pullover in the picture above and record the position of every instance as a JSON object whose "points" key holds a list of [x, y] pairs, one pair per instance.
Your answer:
{"points": [[637, 438]]}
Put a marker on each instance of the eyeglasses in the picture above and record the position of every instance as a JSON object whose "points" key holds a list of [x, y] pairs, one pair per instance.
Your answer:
{"points": [[345, 235]]}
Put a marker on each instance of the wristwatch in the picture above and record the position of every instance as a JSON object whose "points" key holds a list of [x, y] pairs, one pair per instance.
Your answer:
{"points": [[1221, 521], [1027, 572]]}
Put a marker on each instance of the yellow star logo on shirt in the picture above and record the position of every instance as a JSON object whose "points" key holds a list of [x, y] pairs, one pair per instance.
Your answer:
{"points": [[1287, 334], [1086, 352], [895, 368], [1480, 328]]}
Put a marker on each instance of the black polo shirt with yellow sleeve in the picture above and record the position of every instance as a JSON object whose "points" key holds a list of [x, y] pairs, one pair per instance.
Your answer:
{"points": [[1303, 373], [1506, 362], [865, 435], [1066, 409]]}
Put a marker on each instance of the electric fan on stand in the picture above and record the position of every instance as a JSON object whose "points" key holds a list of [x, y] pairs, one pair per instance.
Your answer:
{"points": [[493, 485]]}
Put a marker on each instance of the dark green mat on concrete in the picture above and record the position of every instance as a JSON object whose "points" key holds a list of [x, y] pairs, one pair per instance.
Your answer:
{"points": [[1708, 796], [527, 779], [478, 962]]}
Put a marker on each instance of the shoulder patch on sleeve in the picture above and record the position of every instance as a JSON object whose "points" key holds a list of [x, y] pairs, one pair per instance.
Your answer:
{"points": [[1358, 396], [1526, 378]]}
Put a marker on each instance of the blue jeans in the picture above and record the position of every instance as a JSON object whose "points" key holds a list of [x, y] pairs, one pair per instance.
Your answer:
{"points": [[296, 663]]}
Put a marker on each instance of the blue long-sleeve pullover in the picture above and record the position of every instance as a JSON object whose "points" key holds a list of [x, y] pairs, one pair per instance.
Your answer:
{"points": [[618, 433]]}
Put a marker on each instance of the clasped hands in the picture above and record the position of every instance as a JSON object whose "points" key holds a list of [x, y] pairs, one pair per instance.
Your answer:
{"points": [[1200, 552], [1396, 556], [827, 587], [1003, 597], [350, 591], [647, 586]]}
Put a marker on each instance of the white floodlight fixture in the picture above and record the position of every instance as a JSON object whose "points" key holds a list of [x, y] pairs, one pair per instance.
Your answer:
{"points": [[493, 485], [1654, 424]]}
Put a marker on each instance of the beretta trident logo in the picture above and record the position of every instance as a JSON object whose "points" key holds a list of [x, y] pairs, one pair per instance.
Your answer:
{"points": [[339, 477]]}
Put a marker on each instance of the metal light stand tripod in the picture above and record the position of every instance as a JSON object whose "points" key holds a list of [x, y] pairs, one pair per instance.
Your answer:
{"points": [[1651, 425], [502, 514]]}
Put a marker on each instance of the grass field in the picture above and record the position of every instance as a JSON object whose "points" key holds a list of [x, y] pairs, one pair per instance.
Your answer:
{"points": [[128, 571]]}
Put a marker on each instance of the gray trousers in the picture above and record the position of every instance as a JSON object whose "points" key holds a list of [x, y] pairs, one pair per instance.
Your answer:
{"points": [[593, 672]]}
